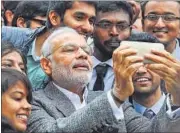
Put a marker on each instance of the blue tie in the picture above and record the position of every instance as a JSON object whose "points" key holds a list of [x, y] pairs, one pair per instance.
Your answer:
{"points": [[149, 113]]}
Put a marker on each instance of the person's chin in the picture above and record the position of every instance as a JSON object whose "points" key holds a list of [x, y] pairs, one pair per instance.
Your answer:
{"points": [[21, 127]]}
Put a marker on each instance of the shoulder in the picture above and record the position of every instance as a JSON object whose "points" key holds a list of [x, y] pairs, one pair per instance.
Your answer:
{"points": [[17, 36], [8, 31]]}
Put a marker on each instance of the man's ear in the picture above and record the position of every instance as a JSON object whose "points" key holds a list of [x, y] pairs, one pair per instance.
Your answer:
{"points": [[46, 66], [20, 22], [54, 19], [9, 17]]}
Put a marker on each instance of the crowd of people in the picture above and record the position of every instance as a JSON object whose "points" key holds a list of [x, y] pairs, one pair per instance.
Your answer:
{"points": [[64, 69]]}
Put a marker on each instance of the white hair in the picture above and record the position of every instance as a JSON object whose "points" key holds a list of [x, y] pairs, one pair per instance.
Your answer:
{"points": [[46, 49]]}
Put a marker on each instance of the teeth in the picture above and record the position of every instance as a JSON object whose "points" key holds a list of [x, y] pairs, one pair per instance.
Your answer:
{"points": [[22, 116], [142, 79]]}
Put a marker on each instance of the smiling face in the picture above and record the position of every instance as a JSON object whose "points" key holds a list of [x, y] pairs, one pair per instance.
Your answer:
{"points": [[71, 64], [166, 32], [81, 17], [145, 81], [107, 40], [13, 60], [15, 106]]}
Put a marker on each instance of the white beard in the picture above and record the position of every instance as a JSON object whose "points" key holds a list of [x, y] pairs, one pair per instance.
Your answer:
{"points": [[67, 78]]}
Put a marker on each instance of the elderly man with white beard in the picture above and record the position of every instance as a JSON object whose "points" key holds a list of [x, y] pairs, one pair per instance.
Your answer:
{"points": [[66, 106]]}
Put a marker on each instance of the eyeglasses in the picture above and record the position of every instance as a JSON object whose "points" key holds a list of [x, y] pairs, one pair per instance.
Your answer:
{"points": [[73, 48], [120, 27], [166, 18], [42, 22]]}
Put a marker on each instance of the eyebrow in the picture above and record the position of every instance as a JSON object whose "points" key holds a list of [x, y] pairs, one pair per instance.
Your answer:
{"points": [[118, 22], [84, 14], [20, 63], [165, 13]]}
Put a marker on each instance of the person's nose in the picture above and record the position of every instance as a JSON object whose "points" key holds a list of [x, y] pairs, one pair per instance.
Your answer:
{"points": [[81, 54], [87, 28], [17, 67], [160, 23], [113, 31], [26, 105], [142, 70]]}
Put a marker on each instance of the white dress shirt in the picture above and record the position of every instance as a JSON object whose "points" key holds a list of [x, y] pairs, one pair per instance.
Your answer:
{"points": [[176, 52]]}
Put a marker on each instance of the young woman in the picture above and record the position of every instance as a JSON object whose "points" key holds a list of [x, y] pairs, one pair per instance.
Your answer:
{"points": [[12, 57], [16, 97]]}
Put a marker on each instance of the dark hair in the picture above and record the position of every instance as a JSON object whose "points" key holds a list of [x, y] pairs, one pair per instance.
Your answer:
{"points": [[7, 47], [143, 37], [30, 9], [143, 6], [60, 8], [10, 77], [109, 6], [9, 5]]}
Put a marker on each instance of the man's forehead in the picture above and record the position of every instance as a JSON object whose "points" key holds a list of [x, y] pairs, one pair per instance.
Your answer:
{"points": [[66, 38], [81, 7], [166, 6], [118, 15]]}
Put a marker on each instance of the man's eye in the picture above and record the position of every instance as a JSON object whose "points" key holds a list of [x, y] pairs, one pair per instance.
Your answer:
{"points": [[69, 49], [152, 17], [105, 25], [79, 17], [92, 21], [121, 26], [169, 18]]}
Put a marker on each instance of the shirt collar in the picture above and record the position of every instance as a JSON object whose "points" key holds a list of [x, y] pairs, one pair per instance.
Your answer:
{"points": [[74, 98], [155, 108], [32, 51], [176, 51], [97, 62]]}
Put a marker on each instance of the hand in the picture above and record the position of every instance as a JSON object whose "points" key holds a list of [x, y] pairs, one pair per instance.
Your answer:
{"points": [[168, 69], [136, 9], [125, 64]]}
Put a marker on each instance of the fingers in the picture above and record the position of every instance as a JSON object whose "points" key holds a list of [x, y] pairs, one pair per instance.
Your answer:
{"points": [[162, 70], [131, 60], [121, 53], [161, 57]]}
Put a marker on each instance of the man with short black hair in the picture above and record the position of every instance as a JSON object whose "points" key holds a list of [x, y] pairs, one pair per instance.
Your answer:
{"points": [[162, 20], [113, 24], [30, 14]]}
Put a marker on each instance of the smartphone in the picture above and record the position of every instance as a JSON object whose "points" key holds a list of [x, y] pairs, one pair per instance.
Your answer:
{"points": [[143, 48]]}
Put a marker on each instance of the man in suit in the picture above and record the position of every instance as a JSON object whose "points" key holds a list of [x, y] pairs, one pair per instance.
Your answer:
{"points": [[112, 26], [66, 105], [162, 20]]}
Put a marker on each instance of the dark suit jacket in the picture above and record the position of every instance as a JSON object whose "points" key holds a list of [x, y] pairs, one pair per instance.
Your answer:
{"points": [[52, 111]]}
